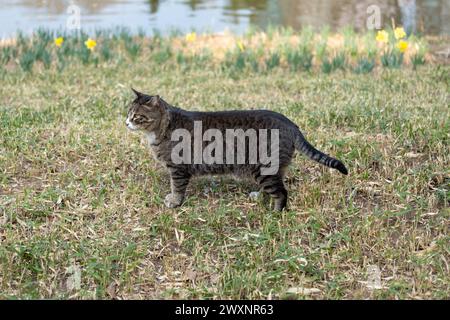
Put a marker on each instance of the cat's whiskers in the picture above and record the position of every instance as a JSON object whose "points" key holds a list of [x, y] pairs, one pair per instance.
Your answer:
{"points": [[130, 125]]}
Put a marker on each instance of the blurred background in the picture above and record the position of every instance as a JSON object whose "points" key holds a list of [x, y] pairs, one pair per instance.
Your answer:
{"points": [[423, 16]]}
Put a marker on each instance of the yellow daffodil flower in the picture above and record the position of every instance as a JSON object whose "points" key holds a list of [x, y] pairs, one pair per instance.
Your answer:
{"points": [[240, 45], [190, 37], [90, 44], [59, 41], [399, 33], [402, 45], [382, 36]]}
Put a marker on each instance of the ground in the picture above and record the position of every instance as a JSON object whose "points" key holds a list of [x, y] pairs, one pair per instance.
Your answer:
{"points": [[81, 198]]}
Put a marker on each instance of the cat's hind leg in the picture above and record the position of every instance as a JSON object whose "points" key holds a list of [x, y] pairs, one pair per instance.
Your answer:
{"points": [[274, 186]]}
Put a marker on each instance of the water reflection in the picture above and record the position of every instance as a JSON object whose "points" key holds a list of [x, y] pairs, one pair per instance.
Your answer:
{"points": [[426, 16], [60, 6], [408, 9], [154, 4]]}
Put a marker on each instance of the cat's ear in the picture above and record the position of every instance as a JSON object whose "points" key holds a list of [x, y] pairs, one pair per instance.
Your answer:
{"points": [[155, 100], [137, 93], [157, 103]]}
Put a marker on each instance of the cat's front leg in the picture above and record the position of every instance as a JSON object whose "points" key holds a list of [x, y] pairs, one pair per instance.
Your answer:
{"points": [[179, 180]]}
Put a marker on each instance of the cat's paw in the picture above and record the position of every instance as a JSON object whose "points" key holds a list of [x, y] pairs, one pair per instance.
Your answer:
{"points": [[173, 201]]}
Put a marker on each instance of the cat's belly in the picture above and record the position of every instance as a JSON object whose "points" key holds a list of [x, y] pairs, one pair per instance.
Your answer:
{"points": [[237, 171]]}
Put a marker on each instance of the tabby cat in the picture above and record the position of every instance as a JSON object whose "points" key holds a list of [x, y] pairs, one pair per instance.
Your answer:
{"points": [[159, 121]]}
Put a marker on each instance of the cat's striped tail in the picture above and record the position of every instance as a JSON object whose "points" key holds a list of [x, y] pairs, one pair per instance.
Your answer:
{"points": [[307, 149]]}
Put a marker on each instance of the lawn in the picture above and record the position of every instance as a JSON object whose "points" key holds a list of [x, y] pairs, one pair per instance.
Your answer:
{"points": [[81, 198]]}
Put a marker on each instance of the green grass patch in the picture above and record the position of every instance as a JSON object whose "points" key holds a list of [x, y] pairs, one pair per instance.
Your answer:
{"points": [[81, 198]]}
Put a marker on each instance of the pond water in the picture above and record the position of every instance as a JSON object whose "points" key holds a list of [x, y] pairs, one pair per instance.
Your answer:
{"points": [[425, 16]]}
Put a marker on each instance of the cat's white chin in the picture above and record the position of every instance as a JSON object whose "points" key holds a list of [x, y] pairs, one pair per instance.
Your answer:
{"points": [[130, 126]]}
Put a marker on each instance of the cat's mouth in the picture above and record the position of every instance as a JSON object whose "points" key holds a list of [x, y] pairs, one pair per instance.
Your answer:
{"points": [[130, 125]]}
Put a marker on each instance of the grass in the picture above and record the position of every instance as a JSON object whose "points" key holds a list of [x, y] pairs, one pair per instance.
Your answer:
{"points": [[81, 197]]}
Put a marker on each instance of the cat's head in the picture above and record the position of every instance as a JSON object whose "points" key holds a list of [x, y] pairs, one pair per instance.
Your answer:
{"points": [[146, 113]]}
